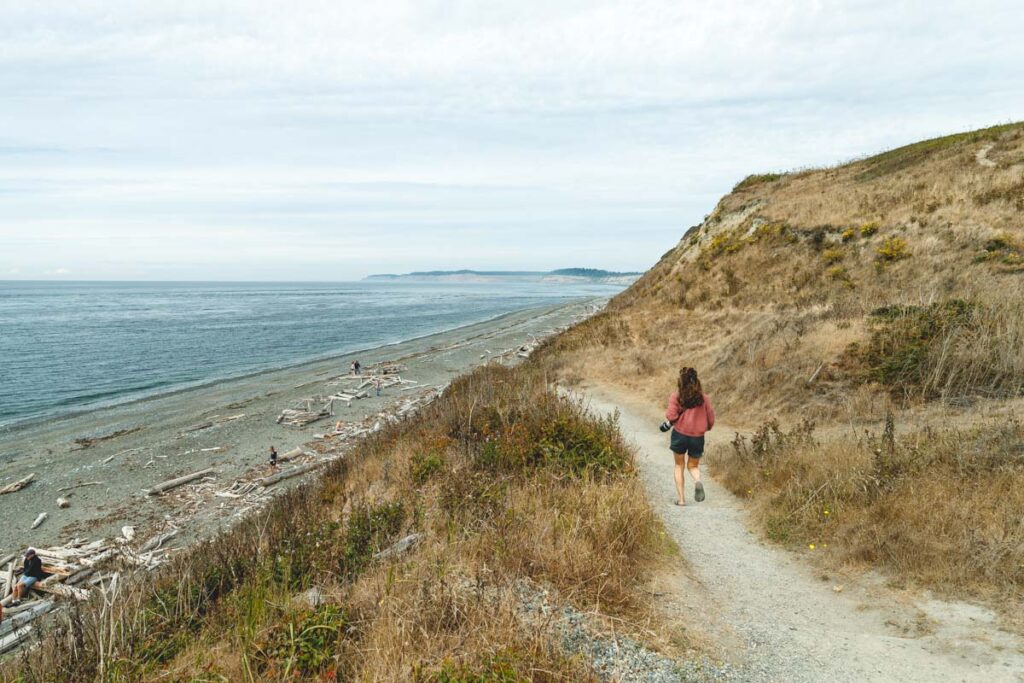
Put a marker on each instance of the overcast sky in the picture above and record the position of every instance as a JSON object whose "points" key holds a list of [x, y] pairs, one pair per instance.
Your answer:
{"points": [[328, 140]]}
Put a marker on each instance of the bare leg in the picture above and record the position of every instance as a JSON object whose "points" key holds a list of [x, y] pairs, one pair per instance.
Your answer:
{"points": [[693, 464], [680, 484]]}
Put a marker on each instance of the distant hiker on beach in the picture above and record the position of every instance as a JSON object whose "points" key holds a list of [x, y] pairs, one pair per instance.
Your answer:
{"points": [[377, 384], [32, 573], [273, 458], [689, 416]]}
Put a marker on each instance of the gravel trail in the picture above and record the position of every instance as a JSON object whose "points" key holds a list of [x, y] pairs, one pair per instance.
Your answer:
{"points": [[777, 619]]}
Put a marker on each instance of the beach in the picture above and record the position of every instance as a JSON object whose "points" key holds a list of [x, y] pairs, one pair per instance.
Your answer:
{"points": [[104, 461]]}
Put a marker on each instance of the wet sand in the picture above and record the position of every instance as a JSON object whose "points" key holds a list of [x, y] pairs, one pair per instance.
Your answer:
{"points": [[142, 443]]}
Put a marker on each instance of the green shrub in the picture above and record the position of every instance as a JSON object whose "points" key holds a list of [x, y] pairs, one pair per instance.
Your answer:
{"points": [[898, 351], [1004, 250], [370, 529], [839, 274], [849, 234], [832, 255], [424, 466], [869, 229], [303, 643], [891, 250]]}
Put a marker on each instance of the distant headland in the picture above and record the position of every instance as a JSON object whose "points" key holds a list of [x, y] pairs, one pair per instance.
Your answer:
{"points": [[594, 275]]}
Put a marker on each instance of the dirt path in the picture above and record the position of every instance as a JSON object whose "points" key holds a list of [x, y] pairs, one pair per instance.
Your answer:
{"points": [[982, 156], [781, 620]]}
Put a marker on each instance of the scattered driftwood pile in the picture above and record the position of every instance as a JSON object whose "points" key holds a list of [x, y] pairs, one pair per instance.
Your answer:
{"points": [[78, 567], [75, 569], [307, 410], [378, 376]]}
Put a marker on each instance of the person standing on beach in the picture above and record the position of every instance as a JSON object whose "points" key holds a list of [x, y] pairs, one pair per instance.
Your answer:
{"points": [[377, 384], [30, 575], [273, 458], [689, 416], [356, 367]]}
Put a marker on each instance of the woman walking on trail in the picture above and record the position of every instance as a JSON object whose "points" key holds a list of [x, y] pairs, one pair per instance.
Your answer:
{"points": [[689, 416]]}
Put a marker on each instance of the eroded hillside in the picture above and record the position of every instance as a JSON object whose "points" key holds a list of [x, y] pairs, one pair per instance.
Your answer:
{"points": [[790, 270], [862, 327]]}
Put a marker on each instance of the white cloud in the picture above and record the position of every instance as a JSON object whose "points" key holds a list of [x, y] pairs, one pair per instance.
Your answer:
{"points": [[246, 136]]}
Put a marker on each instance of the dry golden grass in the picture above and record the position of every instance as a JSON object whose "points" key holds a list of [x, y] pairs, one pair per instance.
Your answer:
{"points": [[936, 509], [515, 491]]}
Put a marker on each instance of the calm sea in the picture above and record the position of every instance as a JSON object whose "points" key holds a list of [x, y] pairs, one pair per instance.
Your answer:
{"points": [[69, 346]]}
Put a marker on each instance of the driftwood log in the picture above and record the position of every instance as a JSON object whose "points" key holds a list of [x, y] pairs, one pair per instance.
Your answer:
{"points": [[62, 590], [174, 483], [9, 580], [40, 519], [17, 485], [288, 474], [157, 541]]}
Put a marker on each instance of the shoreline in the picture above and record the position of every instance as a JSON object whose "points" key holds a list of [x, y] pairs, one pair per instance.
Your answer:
{"points": [[143, 395], [131, 446]]}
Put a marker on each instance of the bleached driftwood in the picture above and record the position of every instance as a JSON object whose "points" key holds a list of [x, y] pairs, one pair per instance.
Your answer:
{"points": [[178, 481], [40, 519], [17, 485], [291, 455], [8, 580], [76, 486], [159, 540], [62, 590], [288, 474], [63, 503], [128, 532]]}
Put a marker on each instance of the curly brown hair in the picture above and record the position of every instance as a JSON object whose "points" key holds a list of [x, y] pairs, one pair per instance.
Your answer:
{"points": [[691, 393]]}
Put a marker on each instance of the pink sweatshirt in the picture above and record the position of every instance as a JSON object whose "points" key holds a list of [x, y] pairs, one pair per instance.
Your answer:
{"points": [[692, 421]]}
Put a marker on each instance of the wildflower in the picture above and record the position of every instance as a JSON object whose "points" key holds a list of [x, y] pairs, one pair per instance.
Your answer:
{"points": [[811, 546]]}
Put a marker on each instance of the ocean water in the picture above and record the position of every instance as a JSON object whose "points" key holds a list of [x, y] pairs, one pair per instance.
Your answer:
{"points": [[65, 347]]}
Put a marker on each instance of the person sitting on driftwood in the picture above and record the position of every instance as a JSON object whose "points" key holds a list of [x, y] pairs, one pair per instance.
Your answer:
{"points": [[273, 458], [32, 573]]}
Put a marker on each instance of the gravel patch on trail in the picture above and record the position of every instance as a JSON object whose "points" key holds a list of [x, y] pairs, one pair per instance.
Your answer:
{"points": [[779, 620], [612, 657]]}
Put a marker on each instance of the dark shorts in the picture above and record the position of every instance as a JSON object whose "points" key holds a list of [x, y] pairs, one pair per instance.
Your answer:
{"points": [[681, 443]]}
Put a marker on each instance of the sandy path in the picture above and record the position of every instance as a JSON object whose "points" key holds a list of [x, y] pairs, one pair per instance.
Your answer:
{"points": [[982, 157], [774, 614]]}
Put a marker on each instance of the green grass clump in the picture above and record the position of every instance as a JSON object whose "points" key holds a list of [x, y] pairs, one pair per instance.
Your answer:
{"points": [[370, 529], [757, 179], [902, 339], [848, 234], [425, 466], [302, 644], [904, 157]]}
